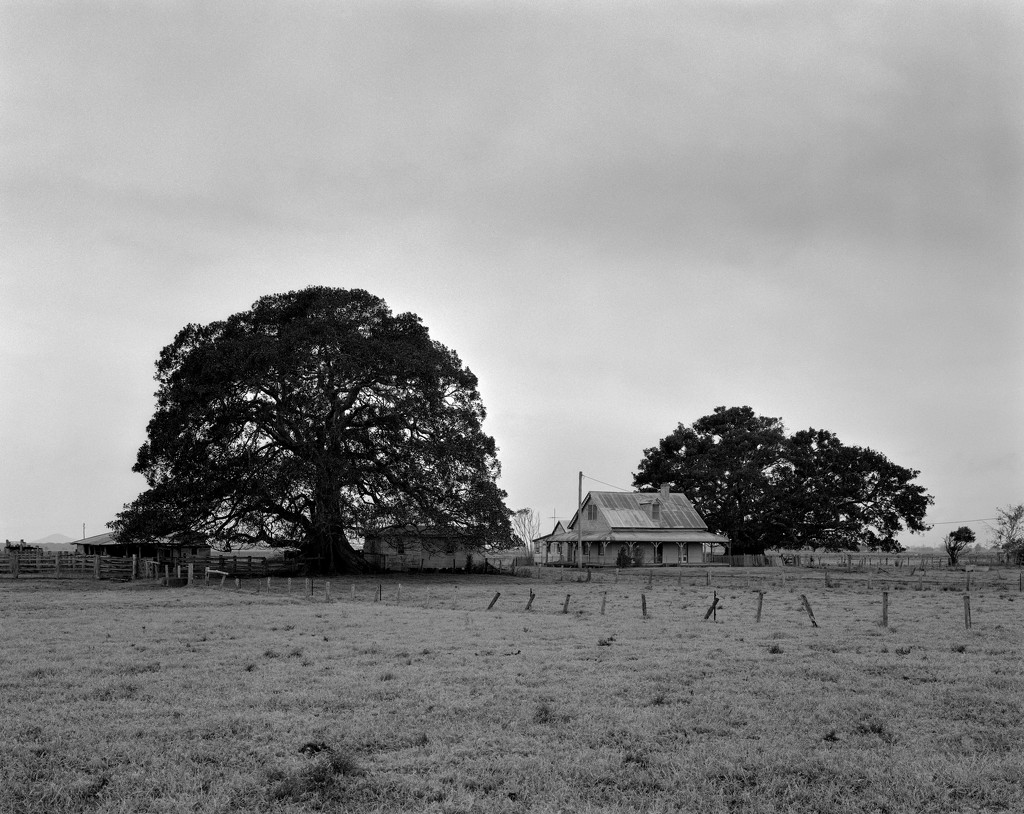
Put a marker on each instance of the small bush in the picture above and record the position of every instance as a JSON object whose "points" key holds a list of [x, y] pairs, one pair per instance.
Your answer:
{"points": [[775, 650], [873, 726], [316, 778], [544, 714]]}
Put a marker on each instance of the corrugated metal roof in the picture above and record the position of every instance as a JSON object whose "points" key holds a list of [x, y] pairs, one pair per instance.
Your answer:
{"points": [[628, 518], [626, 510], [107, 538]]}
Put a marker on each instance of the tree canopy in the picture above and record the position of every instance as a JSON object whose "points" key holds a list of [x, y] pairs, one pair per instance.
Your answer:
{"points": [[764, 488], [308, 420], [956, 541], [1008, 533]]}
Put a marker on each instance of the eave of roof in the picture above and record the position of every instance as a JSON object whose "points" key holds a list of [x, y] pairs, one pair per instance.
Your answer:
{"points": [[641, 536]]}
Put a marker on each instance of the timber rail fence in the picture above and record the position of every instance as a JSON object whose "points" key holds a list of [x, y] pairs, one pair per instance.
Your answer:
{"points": [[60, 564]]}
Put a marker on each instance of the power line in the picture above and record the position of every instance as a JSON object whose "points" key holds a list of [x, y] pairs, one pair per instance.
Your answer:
{"points": [[621, 488]]}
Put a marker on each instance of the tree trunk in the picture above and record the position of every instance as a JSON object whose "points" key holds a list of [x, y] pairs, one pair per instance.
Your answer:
{"points": [[331, 553]]}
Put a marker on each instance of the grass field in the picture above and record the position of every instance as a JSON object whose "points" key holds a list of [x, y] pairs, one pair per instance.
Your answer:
{"points": [[135, 698]]}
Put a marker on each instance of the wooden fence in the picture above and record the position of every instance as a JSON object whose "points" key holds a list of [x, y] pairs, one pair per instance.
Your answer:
{"points": [[860, 561], [252, 566], [740, 560], [60, 564]]}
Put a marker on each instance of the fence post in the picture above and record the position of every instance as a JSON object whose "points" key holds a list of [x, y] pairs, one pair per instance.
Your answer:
{"points": [[191, 574], [713, 610], [96, 567], [967, 611], [707, 576], [760, 602], [885, 609], [565, 606], [604, 598], [643, 605], [529, 602], [327, 589], [494, 600], [807, 607]]}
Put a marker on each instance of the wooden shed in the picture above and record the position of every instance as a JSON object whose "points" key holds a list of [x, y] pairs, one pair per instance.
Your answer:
{"points": [[165, 552], [409, 548]]}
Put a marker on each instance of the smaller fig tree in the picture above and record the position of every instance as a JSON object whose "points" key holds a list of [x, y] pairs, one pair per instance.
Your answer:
{"points": [[956, 541]]}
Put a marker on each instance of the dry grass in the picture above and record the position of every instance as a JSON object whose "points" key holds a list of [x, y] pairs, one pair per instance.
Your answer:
{"points": [[139, 699]]}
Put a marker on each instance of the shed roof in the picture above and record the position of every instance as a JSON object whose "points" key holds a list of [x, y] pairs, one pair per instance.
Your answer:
{"points": [[105, 539]]}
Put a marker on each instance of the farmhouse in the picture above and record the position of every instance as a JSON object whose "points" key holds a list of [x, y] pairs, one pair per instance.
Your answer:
{"points": [[635, 528]]}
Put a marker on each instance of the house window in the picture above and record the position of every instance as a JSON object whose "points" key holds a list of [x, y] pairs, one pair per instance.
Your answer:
{"points": [[591, 512], [399, 546], [655, 511]]}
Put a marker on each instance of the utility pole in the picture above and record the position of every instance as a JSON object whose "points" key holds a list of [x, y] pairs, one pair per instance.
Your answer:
{"points": [[579, 522]]}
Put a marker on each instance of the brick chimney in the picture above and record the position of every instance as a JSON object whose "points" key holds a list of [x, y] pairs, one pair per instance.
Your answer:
{"points": [[664, 492]]}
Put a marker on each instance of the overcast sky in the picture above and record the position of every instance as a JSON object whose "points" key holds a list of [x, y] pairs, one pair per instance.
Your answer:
{"points": [[620, 214]]}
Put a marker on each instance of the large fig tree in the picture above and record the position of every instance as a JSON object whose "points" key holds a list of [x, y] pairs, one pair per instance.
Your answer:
{"points": [[764, 488], [310, 419]]}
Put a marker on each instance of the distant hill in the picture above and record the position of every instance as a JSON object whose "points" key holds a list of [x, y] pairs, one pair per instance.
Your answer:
{"points": [[62, 539]]}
